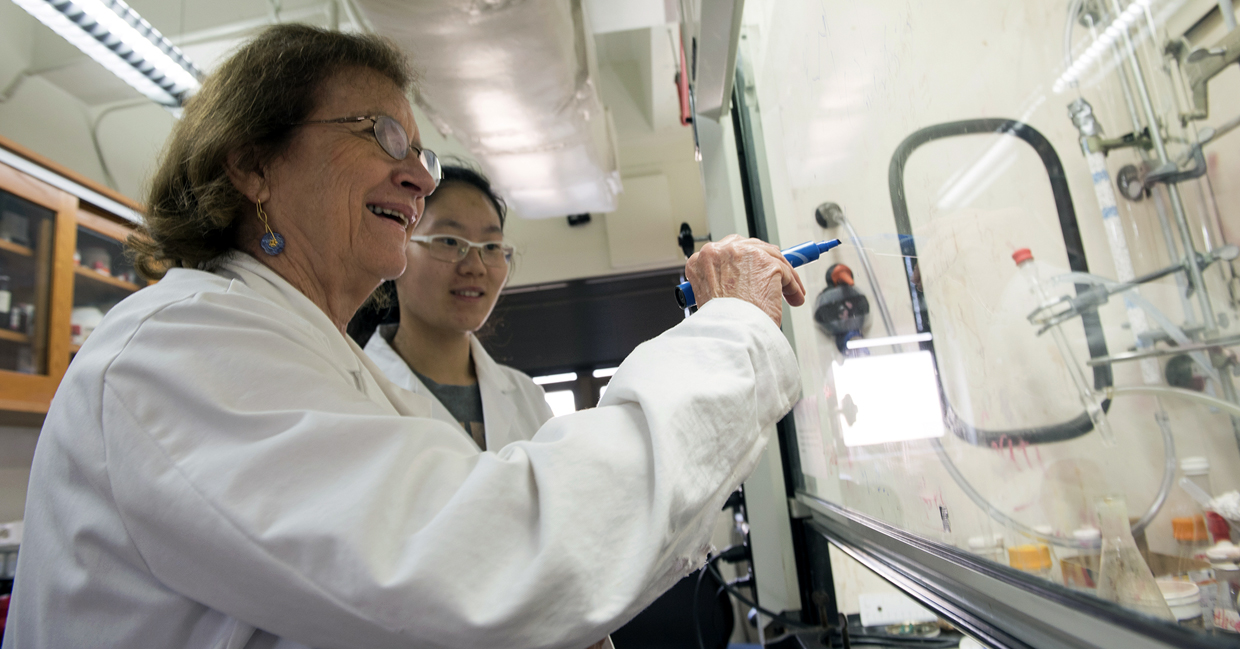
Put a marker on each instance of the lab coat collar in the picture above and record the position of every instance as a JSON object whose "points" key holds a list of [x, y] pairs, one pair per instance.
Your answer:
{"points": [[499, 408], [242, 267], [260, 278], [488, 370], [387, 359]]}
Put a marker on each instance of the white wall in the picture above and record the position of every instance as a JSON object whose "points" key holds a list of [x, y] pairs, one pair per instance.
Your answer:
{"points": [[839, 85], [548, 250], [16, 453]]}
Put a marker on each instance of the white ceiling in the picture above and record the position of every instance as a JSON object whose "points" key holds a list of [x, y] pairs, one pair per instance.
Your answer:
{"points": [[634, 38]]}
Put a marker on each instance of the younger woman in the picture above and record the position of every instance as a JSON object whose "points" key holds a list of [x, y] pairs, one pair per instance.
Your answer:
{"points": [[458, 263]]}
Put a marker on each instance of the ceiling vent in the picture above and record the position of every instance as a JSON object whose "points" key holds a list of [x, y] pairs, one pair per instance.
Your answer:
{"points": [[515, 82]]}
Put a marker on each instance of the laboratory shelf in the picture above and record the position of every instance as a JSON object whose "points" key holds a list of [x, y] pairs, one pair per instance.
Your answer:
{"points": [[14, 337], [15, 249], [106, 279], [91, 287]]}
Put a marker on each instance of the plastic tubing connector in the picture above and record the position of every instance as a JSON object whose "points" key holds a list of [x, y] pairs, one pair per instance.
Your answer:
{"points": [[798, 255]]}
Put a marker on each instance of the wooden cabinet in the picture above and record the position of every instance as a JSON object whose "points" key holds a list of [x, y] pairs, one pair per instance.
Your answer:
{"points": [[102, 275], [62, 266]]}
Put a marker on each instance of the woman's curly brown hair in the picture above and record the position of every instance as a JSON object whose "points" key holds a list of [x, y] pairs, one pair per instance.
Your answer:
{"points": [[249, 105]]}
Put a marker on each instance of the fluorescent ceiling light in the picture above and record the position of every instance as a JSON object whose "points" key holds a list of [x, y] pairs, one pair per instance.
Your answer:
{"points": [[556, 378], [1105, 40], [859, 343], [111, 33], [606, 371]]}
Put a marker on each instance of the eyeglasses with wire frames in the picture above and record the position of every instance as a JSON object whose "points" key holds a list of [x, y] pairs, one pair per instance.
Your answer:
{"points": [[452, 249], [392, 139]]}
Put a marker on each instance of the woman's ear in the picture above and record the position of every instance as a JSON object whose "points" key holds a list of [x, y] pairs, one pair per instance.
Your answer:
{"points": [[248, 179]]}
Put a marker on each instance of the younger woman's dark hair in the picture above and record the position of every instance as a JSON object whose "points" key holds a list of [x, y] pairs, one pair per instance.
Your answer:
{"points": [[461, 173], [249, 107]]}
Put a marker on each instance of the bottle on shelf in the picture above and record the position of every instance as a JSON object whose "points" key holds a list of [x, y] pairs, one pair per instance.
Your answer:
{"points": [[1192, 565], [1033, 558], [1073, 564], [1198, 487], [1123, 575], [6, 298], [1191, 541], [1197, 470]]}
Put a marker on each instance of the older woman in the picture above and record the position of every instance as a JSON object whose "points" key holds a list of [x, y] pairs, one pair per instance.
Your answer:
{"points": [[222, 467], [458, 263]]}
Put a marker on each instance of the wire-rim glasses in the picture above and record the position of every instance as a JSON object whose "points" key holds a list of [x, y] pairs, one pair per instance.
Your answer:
{"points": [[392, 139], [452, 249]]}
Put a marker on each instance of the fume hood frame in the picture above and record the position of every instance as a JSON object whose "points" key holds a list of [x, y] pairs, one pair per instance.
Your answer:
{"points": [[997, 605]]}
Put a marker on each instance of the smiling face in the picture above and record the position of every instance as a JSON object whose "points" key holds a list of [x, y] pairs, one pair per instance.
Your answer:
{"points": [[452, 297], [345, 207]]}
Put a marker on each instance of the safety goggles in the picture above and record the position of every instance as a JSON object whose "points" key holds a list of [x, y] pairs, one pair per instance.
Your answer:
{"points": [[451, 248], [393, 140]]}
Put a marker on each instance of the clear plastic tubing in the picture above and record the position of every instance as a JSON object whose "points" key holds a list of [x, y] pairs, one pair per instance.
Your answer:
{"points": [[1079, 542], [1204, 399], [1093, 407]]}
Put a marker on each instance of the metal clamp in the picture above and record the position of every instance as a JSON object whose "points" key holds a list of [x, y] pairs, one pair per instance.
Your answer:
{"points": [[1090, 300], [1203, 64], [1171, 173]]}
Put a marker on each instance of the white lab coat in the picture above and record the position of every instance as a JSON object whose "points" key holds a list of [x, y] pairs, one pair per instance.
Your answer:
{"points": [[222, 468], [513, 406]]}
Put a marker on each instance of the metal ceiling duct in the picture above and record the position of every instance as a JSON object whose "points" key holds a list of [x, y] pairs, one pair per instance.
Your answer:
{"points": [[515, 81]]}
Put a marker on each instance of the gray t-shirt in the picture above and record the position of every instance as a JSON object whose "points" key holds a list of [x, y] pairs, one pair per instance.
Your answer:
{"points": [[465, 404]]}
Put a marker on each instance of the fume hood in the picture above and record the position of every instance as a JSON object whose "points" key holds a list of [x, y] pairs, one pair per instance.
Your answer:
{"points": [[1020, 367]]}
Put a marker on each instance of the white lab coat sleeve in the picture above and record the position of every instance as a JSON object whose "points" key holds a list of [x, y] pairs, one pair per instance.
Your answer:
{"points": [[255, 477]]}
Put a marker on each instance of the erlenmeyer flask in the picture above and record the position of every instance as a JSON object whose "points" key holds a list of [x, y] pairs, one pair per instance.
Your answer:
{"points": [[1123, 576]]}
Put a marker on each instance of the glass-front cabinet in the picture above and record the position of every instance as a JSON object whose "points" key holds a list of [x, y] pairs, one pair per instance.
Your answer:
{"points": [[102, 273], [62, 266], [1022, 361], [36, 232]]}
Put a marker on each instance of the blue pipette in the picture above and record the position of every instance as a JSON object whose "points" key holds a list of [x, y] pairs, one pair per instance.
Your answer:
{"points": [[797, 256]]}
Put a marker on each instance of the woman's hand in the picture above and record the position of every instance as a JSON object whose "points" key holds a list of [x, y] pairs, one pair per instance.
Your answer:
{"points": [[748, 269]]}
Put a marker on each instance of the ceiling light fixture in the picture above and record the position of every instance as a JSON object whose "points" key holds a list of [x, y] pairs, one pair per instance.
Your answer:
{"points": [[113, 34]]}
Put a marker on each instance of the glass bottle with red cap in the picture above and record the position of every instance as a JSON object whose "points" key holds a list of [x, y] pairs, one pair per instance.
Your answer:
{"points": [[1090, 400]]}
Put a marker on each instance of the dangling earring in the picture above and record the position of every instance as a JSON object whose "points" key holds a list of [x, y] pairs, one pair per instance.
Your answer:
{"points": [[271, 242]]}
